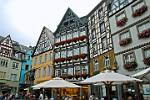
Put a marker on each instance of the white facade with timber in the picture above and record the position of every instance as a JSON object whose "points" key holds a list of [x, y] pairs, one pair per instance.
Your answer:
{"points": [[130, 29]]}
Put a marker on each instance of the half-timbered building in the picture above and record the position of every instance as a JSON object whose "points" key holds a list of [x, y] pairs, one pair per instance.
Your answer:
{"points": [[42, 61], [71, 49], [11, 57]]}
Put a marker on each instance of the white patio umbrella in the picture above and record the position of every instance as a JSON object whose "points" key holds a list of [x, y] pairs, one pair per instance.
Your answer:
{"points": [[59, 83], [56, 83], [108, 77], [144, 74], [40, 85]]}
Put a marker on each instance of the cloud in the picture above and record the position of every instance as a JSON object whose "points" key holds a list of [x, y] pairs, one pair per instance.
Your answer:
{"points": [[25, 18]]}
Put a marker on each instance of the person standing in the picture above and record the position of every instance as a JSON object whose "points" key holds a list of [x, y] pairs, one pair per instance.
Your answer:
{"points": [[41, 97]]}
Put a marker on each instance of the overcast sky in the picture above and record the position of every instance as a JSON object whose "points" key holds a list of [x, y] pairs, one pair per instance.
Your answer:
{"points": [[24, 19]]}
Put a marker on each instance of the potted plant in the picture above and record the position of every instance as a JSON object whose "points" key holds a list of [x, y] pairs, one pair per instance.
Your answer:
{"points": [[125, 41], [147, 60], [122, 22], [144, 34], [130, 65], [140, 11]]}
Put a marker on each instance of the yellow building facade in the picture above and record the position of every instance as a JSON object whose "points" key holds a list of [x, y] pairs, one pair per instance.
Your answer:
{"points": [[43, 65], [42, 58], [102, 64]]}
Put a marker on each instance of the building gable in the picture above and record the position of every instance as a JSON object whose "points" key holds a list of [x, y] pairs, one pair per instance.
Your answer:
{"points": [[45, 41], [6, 46], [69, 21], [6, 41]]}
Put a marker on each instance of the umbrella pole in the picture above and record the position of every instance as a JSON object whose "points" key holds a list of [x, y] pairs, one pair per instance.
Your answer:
{"points": [[108, 90], [138, 90]]}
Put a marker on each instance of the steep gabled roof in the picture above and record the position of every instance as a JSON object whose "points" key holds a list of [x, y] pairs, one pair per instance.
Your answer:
{"points": [[65, 17], [6, 40], [49, 40]]}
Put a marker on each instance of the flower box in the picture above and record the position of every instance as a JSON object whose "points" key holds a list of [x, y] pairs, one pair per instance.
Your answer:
{"points": [[144, 34], [125, 41], [59, 60], [75, 57], [68, 58], [139, 11], [83, 56], [81, 38], [147, 61], [84, 75], [130, 65], [69, 76], [122, 22], [77, 76], [68, 41], [64, 76]]}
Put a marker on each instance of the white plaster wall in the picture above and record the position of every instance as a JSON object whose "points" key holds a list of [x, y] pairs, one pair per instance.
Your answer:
{"points": [[134, 35], [131, 19], [139, 60]]}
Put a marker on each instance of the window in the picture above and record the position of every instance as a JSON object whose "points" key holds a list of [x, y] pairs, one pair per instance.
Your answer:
{"points": [[94, 48], [130, 57], [138, 6], [39, 73], [50, 70], [44, 71], [69, 36], [70, 71], [75, 34], [77, 70], [35, 59], [63, 37], [85, 69], [27, 57], [102, 27], [76, 51], [45, 58], [3, 62], [104, 43], [69, 53], [40, 59], [64, 71], [96, 66], [125, 35], [93, 33], [147, 52], [13, 77], [63, 54], [27, 67], [116, 5], [83, 50], [57, 39], [82, 33], [2, 75], [15, 65], [57, 55], [121, 16], [144, 27], [100, 14], [50, 56], [57, 73], [92, 20], [106, 61]]}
